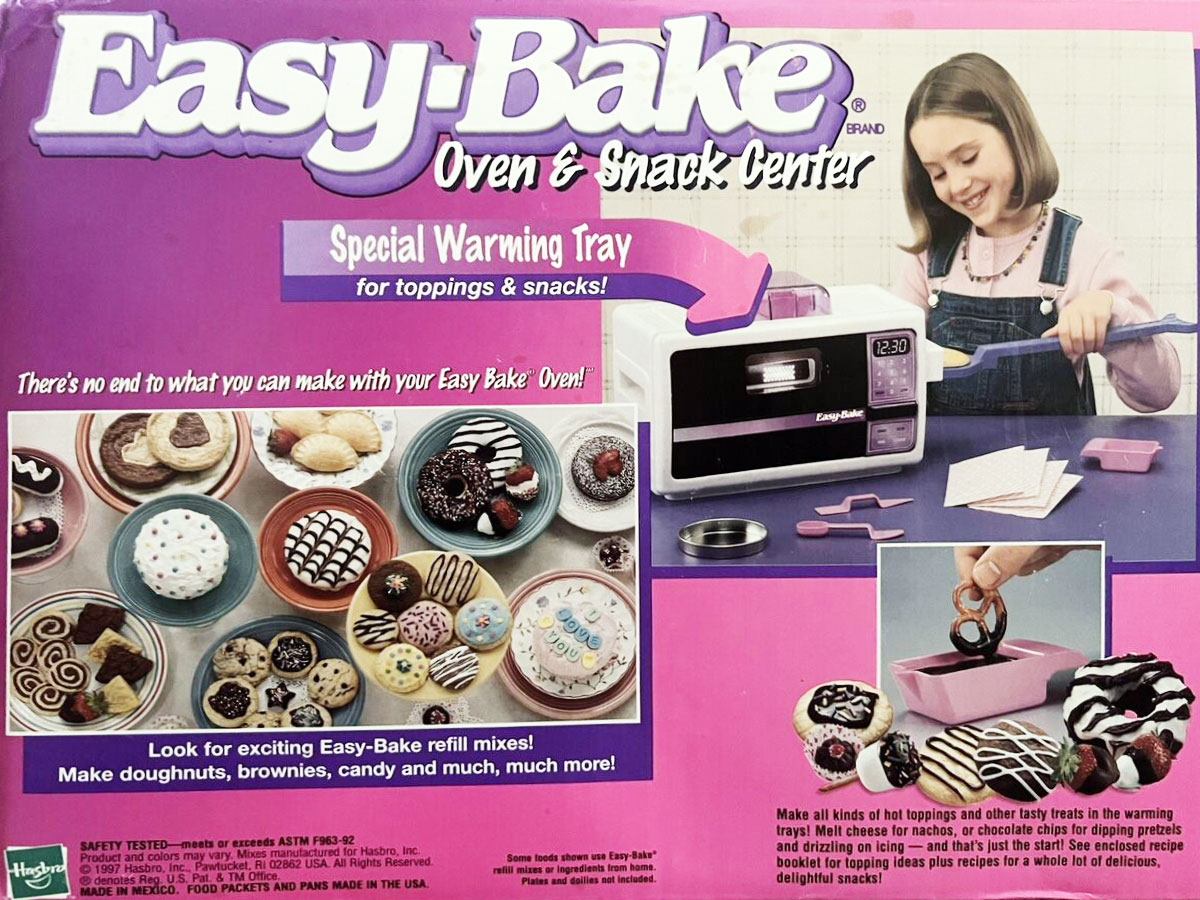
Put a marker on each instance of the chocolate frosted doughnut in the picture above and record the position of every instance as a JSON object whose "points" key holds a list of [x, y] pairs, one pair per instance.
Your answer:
{"points": [[453, 487]]}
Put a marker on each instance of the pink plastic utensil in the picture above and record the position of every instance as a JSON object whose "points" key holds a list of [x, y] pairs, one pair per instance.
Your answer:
{"points": [[815, 529], [861, 499]]}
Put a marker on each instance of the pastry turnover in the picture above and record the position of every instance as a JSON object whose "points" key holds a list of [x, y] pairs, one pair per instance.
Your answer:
{"points": [[300, 422], [357, 429], [322, 452]]}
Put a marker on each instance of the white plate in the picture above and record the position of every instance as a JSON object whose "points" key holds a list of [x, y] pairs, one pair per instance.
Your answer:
{"points": [[525, 633], [200, 482], [576, 507], [145, 634], [296, 476]]}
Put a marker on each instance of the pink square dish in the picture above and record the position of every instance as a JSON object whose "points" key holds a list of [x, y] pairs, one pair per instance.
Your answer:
{"points": [[984, 690]]}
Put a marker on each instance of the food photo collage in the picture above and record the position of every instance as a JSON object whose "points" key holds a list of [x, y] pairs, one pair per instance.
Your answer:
{"points": [[308, 568]]}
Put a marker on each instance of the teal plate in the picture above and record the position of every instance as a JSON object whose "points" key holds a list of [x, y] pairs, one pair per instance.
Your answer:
{"points": [[137, 595], [329, 645], [535, 517]]}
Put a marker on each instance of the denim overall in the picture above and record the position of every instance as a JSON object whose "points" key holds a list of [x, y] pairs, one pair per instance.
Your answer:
{"points": [[1039, 384]]}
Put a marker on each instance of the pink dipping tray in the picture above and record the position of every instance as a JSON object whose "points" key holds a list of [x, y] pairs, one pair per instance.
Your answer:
{"points": [[1120, 455], [978, 693]]}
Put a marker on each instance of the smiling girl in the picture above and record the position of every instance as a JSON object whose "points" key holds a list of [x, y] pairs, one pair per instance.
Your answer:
{"points": [[991, 261]]}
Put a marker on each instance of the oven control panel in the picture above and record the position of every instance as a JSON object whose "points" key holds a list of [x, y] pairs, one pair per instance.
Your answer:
{"points": [[892, 365]]}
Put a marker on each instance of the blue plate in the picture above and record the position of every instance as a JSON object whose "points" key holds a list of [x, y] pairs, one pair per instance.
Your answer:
{"points": [[239, 576], [535, 517], [329, 645]]}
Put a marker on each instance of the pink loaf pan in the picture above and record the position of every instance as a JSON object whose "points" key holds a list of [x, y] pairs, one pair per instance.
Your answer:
{"points": [[1121, 455], [978, 693]]}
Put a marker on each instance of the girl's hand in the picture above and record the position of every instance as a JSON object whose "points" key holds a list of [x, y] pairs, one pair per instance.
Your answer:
{"points": [[1083, 323]]}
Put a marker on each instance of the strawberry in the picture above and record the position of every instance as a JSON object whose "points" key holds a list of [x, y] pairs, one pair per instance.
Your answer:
{"points": [[280, 441], [504, 515], [607, 463], [1086, 768], [1144, 762], [82, 707]]}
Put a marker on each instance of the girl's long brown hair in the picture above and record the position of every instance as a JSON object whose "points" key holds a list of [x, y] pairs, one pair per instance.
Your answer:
{"points": [[973, 86]]}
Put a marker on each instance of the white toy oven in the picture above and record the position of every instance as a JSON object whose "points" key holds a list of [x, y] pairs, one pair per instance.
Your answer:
{"points": [[831, 394]]}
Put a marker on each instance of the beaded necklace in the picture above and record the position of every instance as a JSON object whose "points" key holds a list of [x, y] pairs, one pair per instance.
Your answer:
{"points": [[1003, 273]]}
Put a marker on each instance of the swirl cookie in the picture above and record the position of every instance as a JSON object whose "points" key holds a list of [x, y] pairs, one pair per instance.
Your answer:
{"points": [[51, 626], [949, 771], [333, 683], [401, 668], [426, 625], [242, 657], [293, 654], [1018, 760], [228, 702], [851, 704], [188, 441], [493, 443], [327, 549], [181, 554], [126, 456]]}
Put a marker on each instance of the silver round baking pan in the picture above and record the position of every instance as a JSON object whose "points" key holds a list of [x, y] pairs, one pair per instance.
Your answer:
{"points": [[723, 538]]}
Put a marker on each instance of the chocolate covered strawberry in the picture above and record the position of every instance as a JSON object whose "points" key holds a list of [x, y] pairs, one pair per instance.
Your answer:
{"points": [[1086, 768], [521, 482], [280, 441], [1144, 762], [499, 518], [82, 707]]}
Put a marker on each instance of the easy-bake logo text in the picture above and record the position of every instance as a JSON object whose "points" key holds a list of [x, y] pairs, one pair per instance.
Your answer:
{"points": [[365, 121]]}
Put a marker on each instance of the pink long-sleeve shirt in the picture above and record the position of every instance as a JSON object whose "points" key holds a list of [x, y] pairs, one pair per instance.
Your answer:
{"points": [[1145, 373]]}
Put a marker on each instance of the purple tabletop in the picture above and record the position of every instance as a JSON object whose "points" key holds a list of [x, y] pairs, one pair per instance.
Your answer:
{"points": [[1143, 518]]}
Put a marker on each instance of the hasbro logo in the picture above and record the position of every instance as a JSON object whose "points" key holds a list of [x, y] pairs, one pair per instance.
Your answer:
{"points": [[36, 871]]}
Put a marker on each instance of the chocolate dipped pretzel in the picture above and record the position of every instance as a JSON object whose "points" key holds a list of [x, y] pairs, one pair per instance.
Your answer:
{"points": [[989, 637]]}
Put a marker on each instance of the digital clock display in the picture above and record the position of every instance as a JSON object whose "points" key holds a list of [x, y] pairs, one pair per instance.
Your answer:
{"points": [[890, 346]]}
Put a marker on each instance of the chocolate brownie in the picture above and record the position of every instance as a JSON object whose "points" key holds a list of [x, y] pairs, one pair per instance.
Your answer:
{"points": [[93, 619], [133, 667]]}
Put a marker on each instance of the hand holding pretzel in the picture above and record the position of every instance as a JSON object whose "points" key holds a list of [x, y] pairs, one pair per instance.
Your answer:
{"points": [[988, 637]]}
